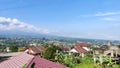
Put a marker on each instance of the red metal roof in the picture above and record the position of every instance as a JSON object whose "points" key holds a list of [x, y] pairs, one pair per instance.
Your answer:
{"points": [[80, 49], [16, 61], [24, 58], [83, 44], [65, 48], [35, 49], [43, 63], [79, 46]]}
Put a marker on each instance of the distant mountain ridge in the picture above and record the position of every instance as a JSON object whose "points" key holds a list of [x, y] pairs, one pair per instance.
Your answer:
{"points": [[36, 35]]}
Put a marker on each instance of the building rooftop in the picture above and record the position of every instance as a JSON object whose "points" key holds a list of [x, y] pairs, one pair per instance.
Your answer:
{"points": [[83, 44], [20, 60]]}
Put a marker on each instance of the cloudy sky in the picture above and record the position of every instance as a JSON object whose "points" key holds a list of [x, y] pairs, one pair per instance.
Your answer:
{"points": [[97, 19]]}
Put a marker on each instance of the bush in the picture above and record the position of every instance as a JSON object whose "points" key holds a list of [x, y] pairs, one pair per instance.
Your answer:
{"points": [[69, 61], [77, 60]]}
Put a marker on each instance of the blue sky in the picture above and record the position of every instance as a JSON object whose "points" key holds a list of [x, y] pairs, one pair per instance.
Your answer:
{"points": [[98, 19]]}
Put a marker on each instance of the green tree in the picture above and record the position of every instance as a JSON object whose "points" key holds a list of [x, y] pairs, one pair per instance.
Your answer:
{"points": [[2, 47], [118, 46], [45, 45], [13, 48], [72, 47], [59, 57], [69, 61], [50, 52]]}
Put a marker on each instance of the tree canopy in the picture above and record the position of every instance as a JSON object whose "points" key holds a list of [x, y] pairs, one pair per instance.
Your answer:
{"points": [[50, 52], [13, 48]]}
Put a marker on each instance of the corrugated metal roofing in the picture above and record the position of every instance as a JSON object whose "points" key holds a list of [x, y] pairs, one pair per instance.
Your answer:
{"points": [[24, 58], [36, 49], [43, 63], [79, 47], [83, 44], [16, 61]]}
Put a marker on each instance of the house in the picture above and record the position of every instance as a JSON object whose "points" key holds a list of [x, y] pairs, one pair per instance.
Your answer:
{"points": [[29, 61], [5, 49], [65, 49], [81, 48], [35, 50], [8, 49], [108, 50]]}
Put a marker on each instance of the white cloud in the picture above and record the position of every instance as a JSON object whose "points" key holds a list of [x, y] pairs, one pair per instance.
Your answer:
{"points": [[106, 13], [108, 16], [14, 24], [109, 19], [101, 14]]}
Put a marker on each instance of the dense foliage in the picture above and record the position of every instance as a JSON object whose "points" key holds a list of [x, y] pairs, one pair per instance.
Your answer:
{"points": [[13, 48], [71, 60], [50, 52]]}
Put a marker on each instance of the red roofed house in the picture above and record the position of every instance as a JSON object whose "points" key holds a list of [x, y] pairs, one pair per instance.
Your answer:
{"points": [[65, 49], [81, 48], [29, 61], [35, 50]]}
